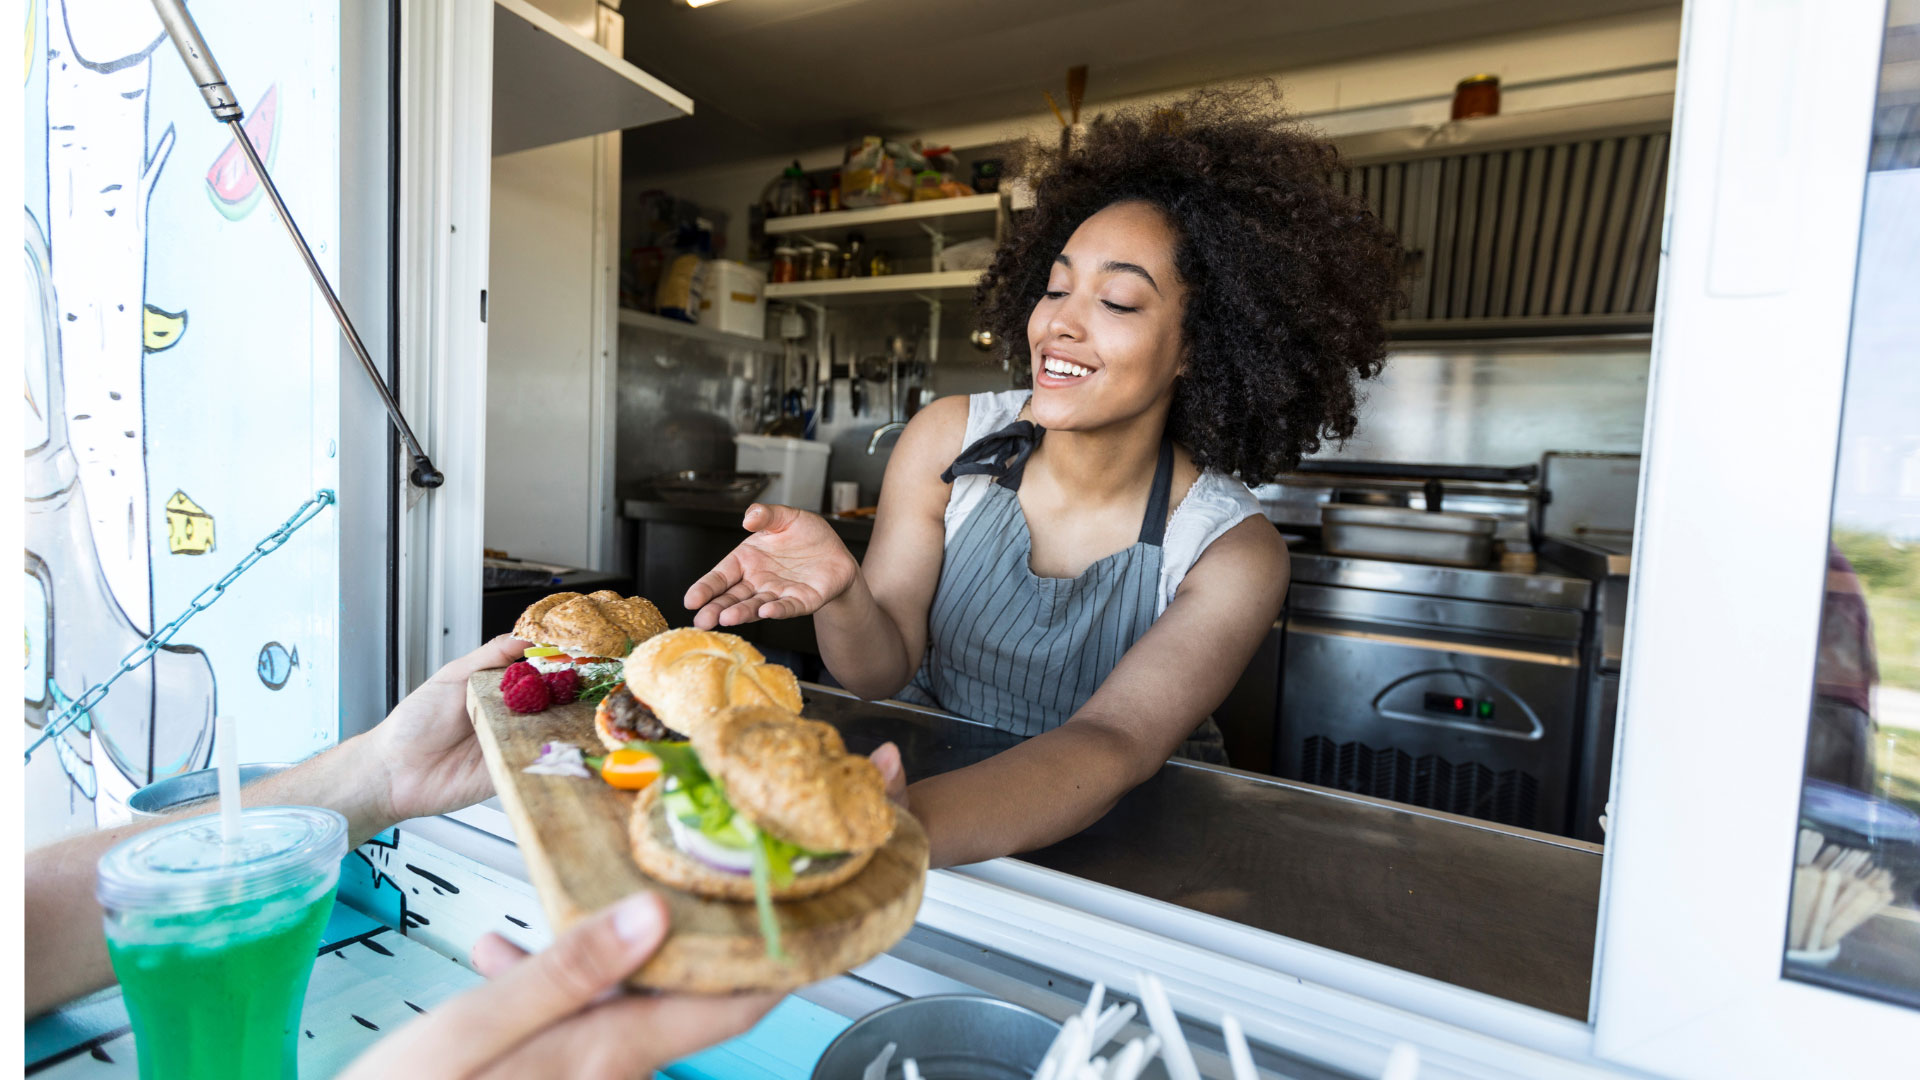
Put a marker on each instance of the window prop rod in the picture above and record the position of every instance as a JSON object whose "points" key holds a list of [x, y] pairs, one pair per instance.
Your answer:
{"points": [[226, 109]]}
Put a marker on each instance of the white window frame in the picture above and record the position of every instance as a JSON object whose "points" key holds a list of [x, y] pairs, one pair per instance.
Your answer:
{"points": [[1771, 135], [446, 133], [1749, 359]]}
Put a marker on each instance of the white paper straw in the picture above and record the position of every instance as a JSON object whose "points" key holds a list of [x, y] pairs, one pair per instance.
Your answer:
{"points": [[1403, 1063], [1238, 1055], [1166, 1024], [229, 764]]}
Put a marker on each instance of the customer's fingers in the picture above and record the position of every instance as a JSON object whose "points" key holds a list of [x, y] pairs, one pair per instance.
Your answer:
{"points": [[499, 652], [631, 1037], [494, 956], [483, 1025], [892, 771]]}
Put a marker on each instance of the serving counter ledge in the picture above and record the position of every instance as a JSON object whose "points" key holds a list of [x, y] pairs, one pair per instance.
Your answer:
{"points": [[1504, 911]]}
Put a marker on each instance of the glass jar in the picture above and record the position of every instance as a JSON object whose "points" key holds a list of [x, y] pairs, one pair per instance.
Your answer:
{"points": [[1476, 95], [784, 268], [826, 261], [853, 261], [880, 265], [803, 262], [818, 200]]}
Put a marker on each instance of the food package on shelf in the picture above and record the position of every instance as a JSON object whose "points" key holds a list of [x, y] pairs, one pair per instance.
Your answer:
{"points": [[878, 172], [682, 288]]}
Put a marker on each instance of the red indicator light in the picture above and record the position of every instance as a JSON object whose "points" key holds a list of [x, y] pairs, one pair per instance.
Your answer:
{"points": [[1459, 704]]}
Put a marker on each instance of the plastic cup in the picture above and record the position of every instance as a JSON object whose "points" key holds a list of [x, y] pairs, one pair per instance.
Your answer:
{"points": [[214, 943]]}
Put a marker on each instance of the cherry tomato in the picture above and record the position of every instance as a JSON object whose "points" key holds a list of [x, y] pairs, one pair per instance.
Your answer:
{"points": [[629, 770]]}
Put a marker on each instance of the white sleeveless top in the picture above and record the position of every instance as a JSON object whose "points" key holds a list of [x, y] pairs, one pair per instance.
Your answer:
{"points": [[1215, 503]]}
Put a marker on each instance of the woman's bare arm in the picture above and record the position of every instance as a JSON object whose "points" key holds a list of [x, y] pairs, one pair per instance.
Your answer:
{"points": [[1054, 785], [873, 636]]}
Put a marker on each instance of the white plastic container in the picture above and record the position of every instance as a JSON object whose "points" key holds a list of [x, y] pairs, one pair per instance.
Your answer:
{"points": [[800, 468], [734, 299]]}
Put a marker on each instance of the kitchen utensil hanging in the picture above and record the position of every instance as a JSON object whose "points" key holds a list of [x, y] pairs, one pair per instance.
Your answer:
{"points": [[226, 109]]}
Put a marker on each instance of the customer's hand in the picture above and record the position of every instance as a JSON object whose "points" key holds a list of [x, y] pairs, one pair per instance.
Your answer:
{"points": [[794, 564], [425, 750], [887, 759], [561, 1014]]}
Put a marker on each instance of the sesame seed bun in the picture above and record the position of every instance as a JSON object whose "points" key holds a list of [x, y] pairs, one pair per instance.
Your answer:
{"points": [[687, 675], [794, 778], [602, 623]]}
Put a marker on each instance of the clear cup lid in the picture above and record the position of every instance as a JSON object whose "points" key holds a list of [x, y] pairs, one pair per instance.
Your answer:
{"points": [[185, 866]]}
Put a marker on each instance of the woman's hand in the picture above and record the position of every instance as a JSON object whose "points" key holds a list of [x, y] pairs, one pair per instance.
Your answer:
{"points": [[794, 564], [561, 1013]]}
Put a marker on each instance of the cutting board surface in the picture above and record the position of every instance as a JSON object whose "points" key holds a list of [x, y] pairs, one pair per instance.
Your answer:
{"points": [[573, 834]]}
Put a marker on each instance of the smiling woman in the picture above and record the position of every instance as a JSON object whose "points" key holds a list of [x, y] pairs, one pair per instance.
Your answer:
{"points": [[1287, 280], [1082, 563]]}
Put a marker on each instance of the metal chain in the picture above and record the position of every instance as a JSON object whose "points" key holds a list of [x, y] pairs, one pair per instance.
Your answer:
{"points": [[144, 651]]}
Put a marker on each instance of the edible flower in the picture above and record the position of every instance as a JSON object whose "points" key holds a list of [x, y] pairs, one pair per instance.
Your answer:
{"points": [[559, 759]]}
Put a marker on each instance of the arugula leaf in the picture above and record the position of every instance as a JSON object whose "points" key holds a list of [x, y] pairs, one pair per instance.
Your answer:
{"points": [[593, 691], [763, 898], [677, 760]]}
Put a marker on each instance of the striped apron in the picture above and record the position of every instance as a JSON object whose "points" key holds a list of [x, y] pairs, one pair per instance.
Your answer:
{"points": [[1021, 652]]}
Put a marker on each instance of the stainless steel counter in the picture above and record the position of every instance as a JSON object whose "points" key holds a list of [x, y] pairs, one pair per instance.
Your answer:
{"points": [[1545, 588], [1499, 910]]}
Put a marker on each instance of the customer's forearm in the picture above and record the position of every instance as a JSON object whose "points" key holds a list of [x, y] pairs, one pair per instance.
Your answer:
{"points": [[66, 950], [347, 778], [861, 644]]}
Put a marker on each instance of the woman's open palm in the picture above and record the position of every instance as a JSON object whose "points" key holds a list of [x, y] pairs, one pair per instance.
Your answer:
{"points": [[794, 564]]}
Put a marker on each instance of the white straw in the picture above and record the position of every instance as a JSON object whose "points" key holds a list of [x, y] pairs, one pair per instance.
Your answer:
{"points": [[1238, 1055], [229, 763]]}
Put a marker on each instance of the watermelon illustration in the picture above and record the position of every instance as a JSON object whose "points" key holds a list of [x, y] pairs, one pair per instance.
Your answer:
{"points": [[231, 183]]}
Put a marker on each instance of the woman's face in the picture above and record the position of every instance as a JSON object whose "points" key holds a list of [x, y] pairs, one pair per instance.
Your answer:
{"points": [[1105, 339]]}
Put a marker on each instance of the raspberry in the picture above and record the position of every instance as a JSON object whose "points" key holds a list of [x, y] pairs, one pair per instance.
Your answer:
{"points": [[526, 695], [515, 672], [563, 685]]}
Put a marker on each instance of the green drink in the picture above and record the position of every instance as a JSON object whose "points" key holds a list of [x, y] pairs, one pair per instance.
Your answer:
{"points": [[214, 942]]}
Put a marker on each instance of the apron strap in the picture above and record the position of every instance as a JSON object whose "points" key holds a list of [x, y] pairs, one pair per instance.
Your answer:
{"points": [[1153, 528], [1001, 454]]}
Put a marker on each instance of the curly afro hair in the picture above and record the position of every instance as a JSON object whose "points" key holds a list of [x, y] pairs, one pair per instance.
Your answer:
{"points": [[1288, 281]]}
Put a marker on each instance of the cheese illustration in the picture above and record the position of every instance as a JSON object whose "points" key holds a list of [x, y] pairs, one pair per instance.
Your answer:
{"points": [[189, 526], [162, 329]]}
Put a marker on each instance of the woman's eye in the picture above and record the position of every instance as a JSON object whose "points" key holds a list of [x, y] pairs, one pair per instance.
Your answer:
{"points": [[1120, 309], [1054, 294]]}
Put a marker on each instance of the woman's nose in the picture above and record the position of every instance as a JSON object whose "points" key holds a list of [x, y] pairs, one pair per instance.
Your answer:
{"points": [[1065, 319]]}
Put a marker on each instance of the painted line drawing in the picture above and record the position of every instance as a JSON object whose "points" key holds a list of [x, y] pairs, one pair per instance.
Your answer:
{"points": [[231, 183], [189, 526], [277, 663], [101, 171], [82, 631]]}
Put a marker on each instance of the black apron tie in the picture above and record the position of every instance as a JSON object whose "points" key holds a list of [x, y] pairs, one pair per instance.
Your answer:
{"points": [[1002, 454]]}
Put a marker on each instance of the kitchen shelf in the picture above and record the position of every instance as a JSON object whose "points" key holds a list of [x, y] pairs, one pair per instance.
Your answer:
{"points": [[888, 289], [975, 212], [1628, 116], [550, 84], [656, 324]]}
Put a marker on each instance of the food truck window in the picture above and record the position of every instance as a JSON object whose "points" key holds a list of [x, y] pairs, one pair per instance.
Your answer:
{"points": [[1854, 917]]}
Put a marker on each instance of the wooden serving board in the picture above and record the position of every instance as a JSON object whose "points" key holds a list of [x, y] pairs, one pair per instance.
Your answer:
{"points": [[573, 834]]}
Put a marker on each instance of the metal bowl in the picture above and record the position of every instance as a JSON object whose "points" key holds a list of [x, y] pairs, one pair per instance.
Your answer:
{"points": [[697, 487], [949, 1036], [175, 792]]}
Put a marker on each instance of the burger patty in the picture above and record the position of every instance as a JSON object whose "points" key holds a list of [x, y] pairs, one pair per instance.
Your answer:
{"points": [[635, 721]]}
